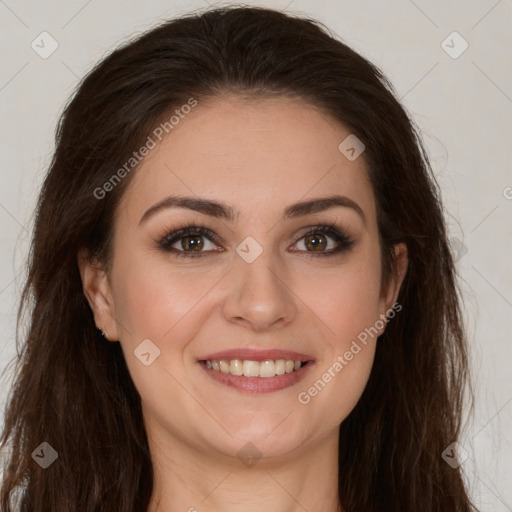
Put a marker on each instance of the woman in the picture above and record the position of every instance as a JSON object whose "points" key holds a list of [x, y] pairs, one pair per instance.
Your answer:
{"points": [[241, 289]]}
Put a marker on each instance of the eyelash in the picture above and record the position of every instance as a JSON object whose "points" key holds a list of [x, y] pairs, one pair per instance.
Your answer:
{"points": [[344, 241]]}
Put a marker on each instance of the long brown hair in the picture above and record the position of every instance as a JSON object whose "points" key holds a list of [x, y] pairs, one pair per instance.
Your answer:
{"points": [[72, 389]]}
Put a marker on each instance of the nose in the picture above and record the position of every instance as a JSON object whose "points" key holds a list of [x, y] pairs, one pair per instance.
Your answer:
{"points": [[260, 297]]}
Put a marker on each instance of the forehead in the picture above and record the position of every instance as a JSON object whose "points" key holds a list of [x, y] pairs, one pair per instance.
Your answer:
{"points": [[256, 155]]}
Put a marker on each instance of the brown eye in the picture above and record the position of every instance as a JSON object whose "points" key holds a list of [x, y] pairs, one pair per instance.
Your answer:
{"points": [[193, 242], [190, 241], [323, 240], [316, 242]]}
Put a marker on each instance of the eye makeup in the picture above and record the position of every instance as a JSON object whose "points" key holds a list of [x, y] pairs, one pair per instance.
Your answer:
{"points": [[191, 235]]}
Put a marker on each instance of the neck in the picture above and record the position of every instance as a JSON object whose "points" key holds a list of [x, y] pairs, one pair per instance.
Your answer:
{"points": [[187, 480]]}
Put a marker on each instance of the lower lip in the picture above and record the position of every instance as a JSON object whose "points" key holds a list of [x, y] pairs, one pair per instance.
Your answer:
{"points": [[258, 384]]}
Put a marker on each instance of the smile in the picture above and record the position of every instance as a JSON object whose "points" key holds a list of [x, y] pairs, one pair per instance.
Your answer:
{"points": [[256, 371], [248, 368]]}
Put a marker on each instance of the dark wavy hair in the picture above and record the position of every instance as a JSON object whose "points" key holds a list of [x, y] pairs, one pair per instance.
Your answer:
{"points": [[73, 390]]}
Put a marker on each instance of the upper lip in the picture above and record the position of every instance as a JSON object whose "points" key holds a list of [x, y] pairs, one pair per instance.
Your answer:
{"points": [[257, 355]]}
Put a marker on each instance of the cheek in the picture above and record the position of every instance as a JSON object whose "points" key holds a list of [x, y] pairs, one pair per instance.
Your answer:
{"points": [[152, 298], [344, 298], [345, 303], [156, 301]]}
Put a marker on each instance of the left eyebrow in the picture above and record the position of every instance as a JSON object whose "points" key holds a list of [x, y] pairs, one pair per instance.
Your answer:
{"points": [[224, 211], [321, 204]]}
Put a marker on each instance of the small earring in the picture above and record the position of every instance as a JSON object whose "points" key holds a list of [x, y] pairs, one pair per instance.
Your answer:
{"points": [[104, 334]]}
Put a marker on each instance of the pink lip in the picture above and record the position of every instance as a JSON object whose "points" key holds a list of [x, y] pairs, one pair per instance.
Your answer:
{"points": [[258, 384], [257, 355]]}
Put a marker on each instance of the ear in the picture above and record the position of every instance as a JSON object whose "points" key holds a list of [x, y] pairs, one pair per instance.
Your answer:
{"points": [[389, 293], [98, 294]]}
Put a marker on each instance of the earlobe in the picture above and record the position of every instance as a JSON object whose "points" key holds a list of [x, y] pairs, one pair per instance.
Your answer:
{"points": [[96, 288]]}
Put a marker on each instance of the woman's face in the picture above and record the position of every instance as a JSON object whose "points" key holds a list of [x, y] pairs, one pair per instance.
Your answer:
{"points": [[275, 278]]}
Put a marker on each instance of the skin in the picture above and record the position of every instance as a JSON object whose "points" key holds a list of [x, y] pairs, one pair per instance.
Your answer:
{"points": [[258, 157]]}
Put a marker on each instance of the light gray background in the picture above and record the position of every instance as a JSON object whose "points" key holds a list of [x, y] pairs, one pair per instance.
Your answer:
{"points": [[463, 106]]}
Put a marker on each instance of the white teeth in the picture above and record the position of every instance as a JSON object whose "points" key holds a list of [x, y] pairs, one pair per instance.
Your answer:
{"points": [[251, 368], [280, 366], [268, 368], [235, 367], [248, 368]]}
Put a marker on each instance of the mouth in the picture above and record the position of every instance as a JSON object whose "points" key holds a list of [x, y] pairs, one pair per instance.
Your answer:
{"points": [[257, 371], [264, 369]]}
